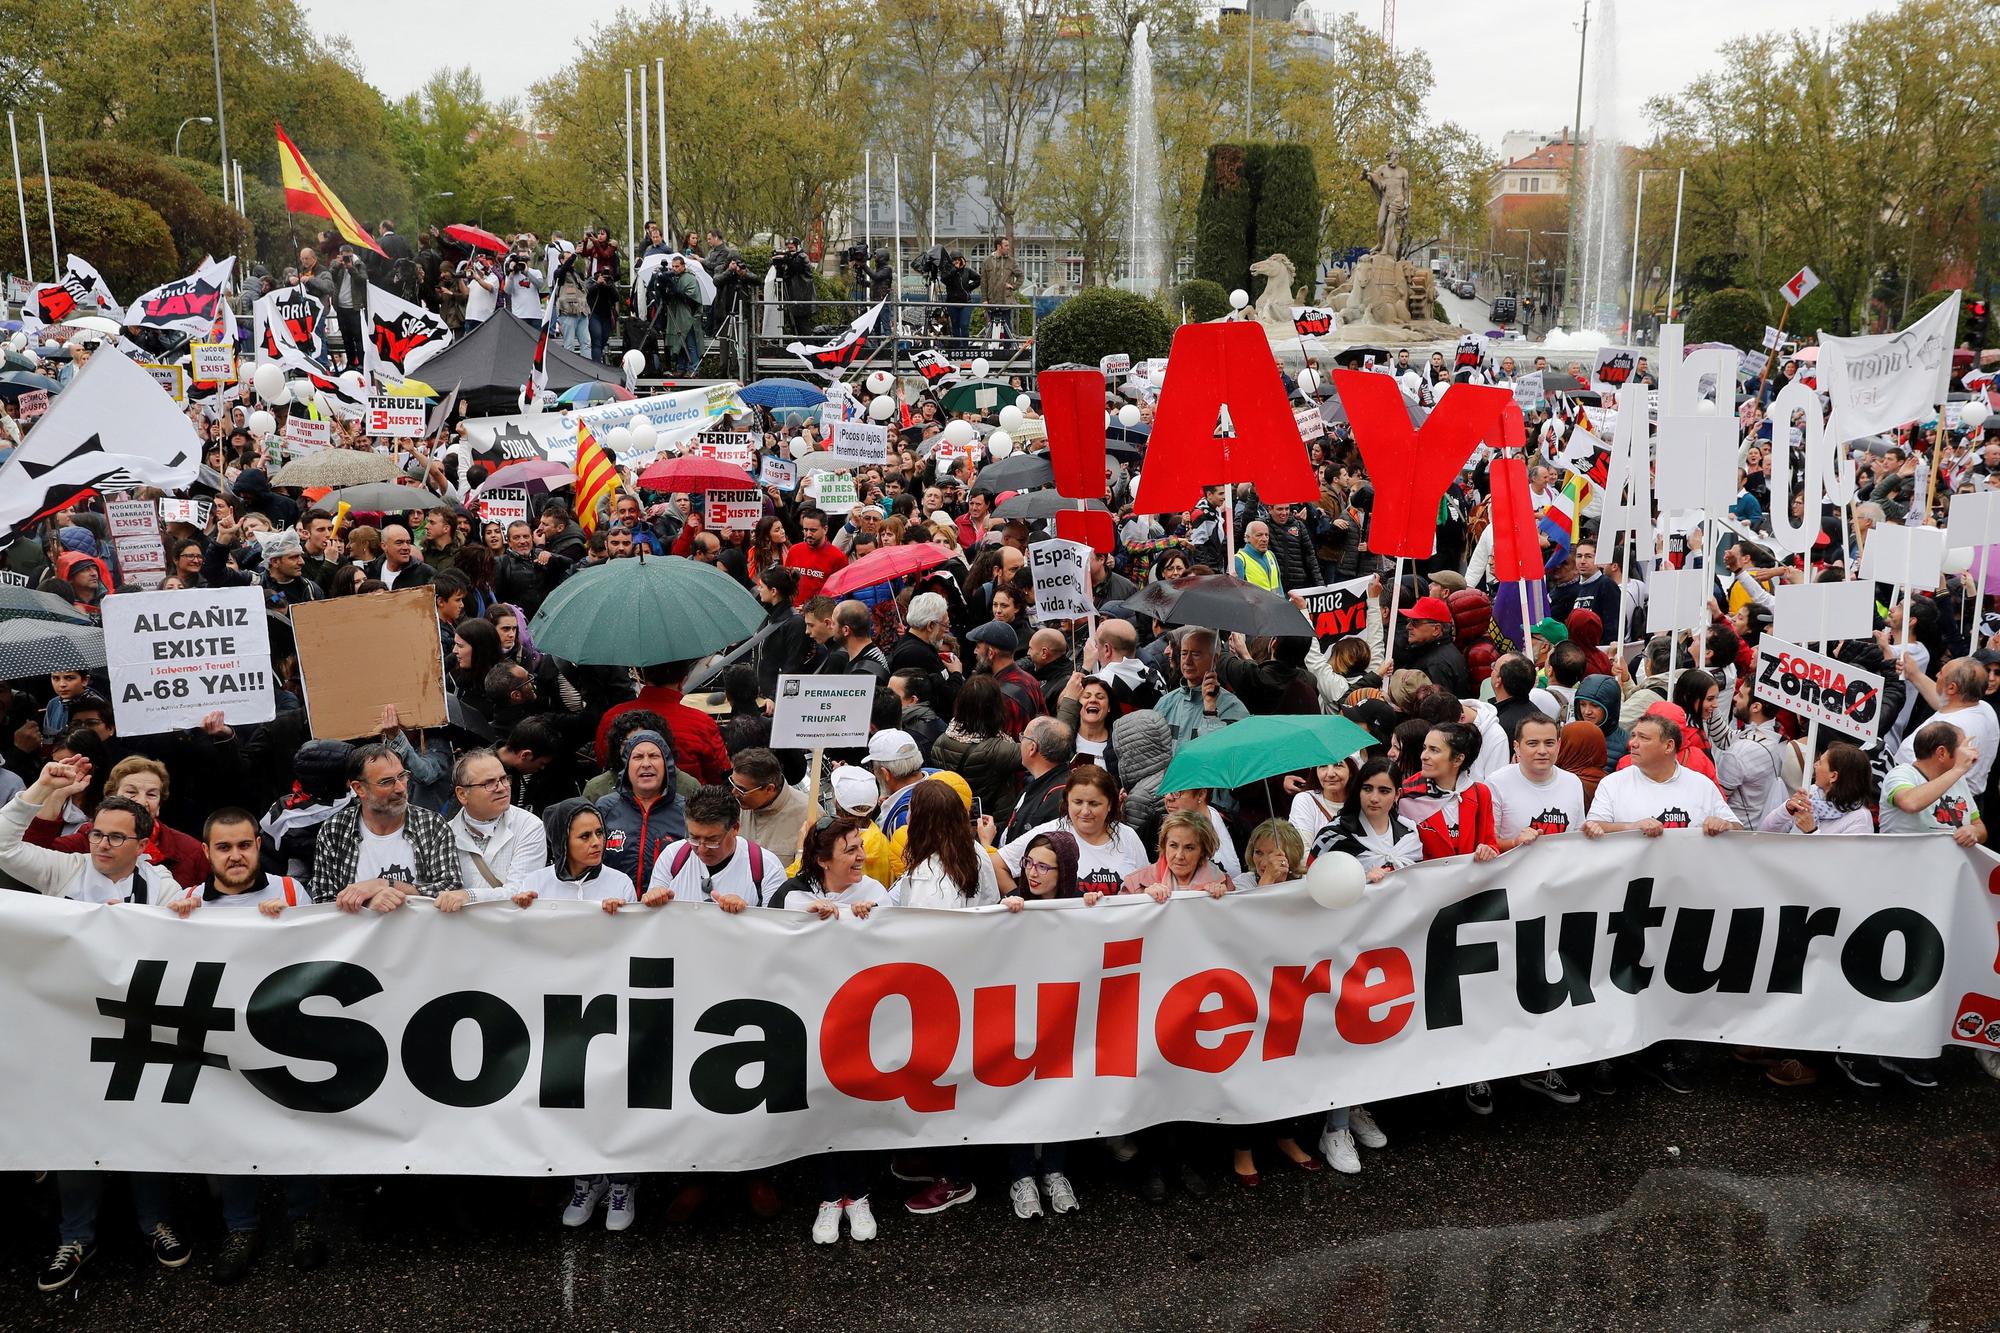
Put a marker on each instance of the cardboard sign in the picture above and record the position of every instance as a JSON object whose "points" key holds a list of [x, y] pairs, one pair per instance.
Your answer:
{"points": [[399, 418], [32, 404], [1062, 580], [780, 472], [358, 653], [1217, 367], [1615, 365], [171, 380], [814, 712], [504, 505], [1818, 688], [1772, 337], [861, 441], [1799, 285], [1905, 556], [1311, 424], [734, 511], [214, 363], [1338, 609], [303, 433], [1411, 468], [185, 511], [834, 491], [733, 447], [176, 657], [1676, 599], [135, 534]]}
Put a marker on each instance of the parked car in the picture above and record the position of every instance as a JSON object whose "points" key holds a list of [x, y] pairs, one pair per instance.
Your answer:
{"points": [[1504, 311]]}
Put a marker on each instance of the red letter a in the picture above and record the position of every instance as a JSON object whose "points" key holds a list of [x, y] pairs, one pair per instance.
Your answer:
{"points": [[1213, 366]]}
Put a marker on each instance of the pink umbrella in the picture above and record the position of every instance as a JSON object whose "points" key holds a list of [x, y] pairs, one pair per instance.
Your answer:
{"points": [[891, 562], [695, 474], [551, 474]]}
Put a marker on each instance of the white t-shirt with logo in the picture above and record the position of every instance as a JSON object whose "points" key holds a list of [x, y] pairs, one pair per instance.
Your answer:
{"points": [[1555, 806], [385, 856], [697, 882], [1954, 810], [1682, 801], [1977, 724], [480, 303], [524, 295], [1099, 869]]}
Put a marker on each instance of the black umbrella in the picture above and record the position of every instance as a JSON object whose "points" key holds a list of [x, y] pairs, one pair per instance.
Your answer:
{"points": [[1040, 506], [1221, 602], [1017, 472], [37, 647], [27, 604]]}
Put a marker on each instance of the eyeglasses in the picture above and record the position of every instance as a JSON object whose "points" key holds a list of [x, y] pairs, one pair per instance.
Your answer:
{"points": [[742, 790], [1045, 867], [387, 784], [99, 838], [709, 843], [490, 784]]}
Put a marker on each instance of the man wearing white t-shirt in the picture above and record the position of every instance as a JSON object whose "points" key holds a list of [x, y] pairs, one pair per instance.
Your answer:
{"points": [[482, 292], [713, 864], [1531, 796], [1656, 794], [1930, 794], [1958, 694], [523, 286]]}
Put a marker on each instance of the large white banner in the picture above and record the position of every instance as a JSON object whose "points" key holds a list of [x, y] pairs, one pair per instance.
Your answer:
{"points": [[1879, 381], [560, 1040], [676, 418]]}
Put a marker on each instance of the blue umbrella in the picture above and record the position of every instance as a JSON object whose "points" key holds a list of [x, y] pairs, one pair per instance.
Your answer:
{"points": [[782, 393]]}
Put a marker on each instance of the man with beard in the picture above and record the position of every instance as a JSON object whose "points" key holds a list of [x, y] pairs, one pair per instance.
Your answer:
{"points": [[381, 850], [812, 558]]}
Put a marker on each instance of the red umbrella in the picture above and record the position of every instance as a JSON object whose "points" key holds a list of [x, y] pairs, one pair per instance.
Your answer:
{"points": [[477, 237], [695, 474], [891, 562]]}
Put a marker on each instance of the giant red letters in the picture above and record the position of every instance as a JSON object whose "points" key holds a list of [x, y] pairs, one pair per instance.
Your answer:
{"points": [[1073, 411], [1213, 366], [1410, 468]]}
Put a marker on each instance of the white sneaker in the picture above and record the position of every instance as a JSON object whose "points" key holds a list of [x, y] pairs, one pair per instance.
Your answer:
{"points": [[1988, 1061], [584, 1194], [1027, 1200], [1366, 1132], [860, 1220], [622, 1207], [826, 1227], [1062, 1198], [1337, 1145], [1123, 1147]]}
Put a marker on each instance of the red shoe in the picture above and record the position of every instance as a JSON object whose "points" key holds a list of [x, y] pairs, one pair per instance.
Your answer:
{"points": [[1249, 1181], [940, 1195], [764, 1200], [687, 1203]]}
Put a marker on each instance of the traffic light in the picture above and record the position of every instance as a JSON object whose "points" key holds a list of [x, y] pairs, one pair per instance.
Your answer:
{"points": [[1975, 324]]}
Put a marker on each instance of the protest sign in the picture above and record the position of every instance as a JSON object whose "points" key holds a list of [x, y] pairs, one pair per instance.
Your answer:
{"points": [[32, 404], [504, 505], [358, 653], [780, 472], [1338, 609], [833, 491], [185, 511], [1312, 321], [1615, 365], [676, 417], [1118, 363], [1470, 352], [822, 712], [861, 441], [19, 289], [1818, 688], [1773, 335], [1529, 395], [214, 363], [733, 447], [303, 432], [1311, 424], [135, 535], [176, 657], [1822, 612], [398, 417], [171, 380], [1905, 556], [734, 511], [1799, 286], [1248, 1009], [1061, 571], [933, 365], [1676, 599]]}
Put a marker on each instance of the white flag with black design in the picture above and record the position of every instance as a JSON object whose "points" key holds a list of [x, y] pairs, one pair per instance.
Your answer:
{"points": [[185, 305], [401, 336], [839, 354]]}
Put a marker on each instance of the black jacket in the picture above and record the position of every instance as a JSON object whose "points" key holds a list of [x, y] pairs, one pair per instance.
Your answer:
{"points": [[783, 650], [525, 583], [416, 574], [795, 273], [1296, 553], [960, 283], [1441, 661]]}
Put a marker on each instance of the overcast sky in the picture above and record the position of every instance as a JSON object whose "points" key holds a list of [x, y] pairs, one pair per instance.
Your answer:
{"points": [[1496, 71]]}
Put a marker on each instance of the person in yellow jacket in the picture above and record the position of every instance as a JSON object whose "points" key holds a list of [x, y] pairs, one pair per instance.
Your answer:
{"points": [[1254, 563], [855, 794]]}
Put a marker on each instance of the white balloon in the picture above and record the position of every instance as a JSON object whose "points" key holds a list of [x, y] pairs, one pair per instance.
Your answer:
{"points": [[800, 448], [1974, 413], [1238, 299], [269, 382], [1706, 407], [481, 437], [1011, 418], [1000, 444], [1308, 380], [621, 439], [1957, 560], [980, 366], [644, 435], [302, 392], [1336, 879], [1025, 403], [881, 408], [51, 345], [1129, 414], [958, 432], [262, 423], [18, 342], [880, 381], [633, 361]]}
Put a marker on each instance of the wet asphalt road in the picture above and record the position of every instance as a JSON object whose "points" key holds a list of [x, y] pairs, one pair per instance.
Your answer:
{"points": [[1817, 1208]]}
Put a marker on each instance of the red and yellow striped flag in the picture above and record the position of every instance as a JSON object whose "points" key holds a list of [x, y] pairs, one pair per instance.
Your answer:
{"points": [[596, 478], [306, 193]]}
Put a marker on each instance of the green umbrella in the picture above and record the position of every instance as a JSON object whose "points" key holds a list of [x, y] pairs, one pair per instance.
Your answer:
{"points": [[1261, 747], [978, 396], [645, 609]]}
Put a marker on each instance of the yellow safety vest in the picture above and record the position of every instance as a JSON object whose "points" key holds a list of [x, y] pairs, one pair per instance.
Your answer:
{"points": [[1258, 573]]}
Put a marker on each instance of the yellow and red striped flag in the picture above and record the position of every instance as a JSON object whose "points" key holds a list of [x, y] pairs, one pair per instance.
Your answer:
{"points": [[596, 478], [305, 192]]}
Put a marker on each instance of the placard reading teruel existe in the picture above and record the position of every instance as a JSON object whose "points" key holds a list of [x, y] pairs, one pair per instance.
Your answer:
{"points": [[176, 657]]}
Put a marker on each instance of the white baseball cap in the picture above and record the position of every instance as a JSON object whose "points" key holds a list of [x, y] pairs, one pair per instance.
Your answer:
{"points": [[854, 789]]}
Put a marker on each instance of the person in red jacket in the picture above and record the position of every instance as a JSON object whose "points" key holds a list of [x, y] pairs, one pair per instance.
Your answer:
{"points": [[1454, 817], [697, 740], [813, 557], [145, 781]]}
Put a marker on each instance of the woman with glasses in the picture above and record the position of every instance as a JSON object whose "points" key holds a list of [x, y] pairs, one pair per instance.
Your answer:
{"points": [[1107, 850], [1048, 874]]}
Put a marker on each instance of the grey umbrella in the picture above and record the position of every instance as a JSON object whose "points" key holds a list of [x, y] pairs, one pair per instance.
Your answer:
{"points": [[37, 647], [27, 604], [336, 467], [387, 497]]}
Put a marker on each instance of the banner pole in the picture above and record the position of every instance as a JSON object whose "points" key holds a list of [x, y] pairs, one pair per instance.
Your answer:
{"points": [[1527, 624], [1229, 526], [631, 217], [812, 780], [49, 195], [21, 202], [1771, 358], [1389, 630]]}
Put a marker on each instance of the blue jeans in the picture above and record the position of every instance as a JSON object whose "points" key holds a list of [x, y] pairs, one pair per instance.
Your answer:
{"points": [[694, 348], [961, 322], [1023, 1159], [600, 334], [574, 332], [239, 1199], [81, 1191]]}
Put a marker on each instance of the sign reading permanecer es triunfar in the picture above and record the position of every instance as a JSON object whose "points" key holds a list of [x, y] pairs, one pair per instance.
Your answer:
{"points": [[813, 712]]}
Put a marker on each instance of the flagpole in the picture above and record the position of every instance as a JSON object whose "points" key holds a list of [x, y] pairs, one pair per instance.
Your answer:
{"points": [[1674, 266], [21, 202], [896, 207], [645, 164], [660, 110], [631, 218], [867, 216], [221, 121], [49, 194]]}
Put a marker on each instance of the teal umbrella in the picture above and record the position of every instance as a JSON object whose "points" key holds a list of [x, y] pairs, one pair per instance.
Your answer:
{"points": [[645, 609], [1260, 747]]}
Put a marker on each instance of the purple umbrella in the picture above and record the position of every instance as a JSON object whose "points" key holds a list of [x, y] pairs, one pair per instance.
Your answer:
{"points": [[548, 474]]}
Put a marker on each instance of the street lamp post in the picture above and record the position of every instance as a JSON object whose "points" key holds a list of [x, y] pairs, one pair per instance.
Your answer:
{"points": [[442, 194], [1632, 281], [191, 120], [221, 118]]}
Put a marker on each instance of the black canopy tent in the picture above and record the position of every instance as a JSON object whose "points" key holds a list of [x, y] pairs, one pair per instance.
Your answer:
{"points": [[490, 365]]}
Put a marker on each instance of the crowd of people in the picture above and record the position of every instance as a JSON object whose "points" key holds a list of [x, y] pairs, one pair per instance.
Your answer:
{"points": [[1012, 759]]}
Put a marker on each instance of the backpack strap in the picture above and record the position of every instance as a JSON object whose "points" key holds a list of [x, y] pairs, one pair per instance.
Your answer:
{"points": [[680, 857]]}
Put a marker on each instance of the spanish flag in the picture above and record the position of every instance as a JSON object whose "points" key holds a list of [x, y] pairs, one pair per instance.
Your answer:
{"points": [[305, 192], [596, 478]]}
